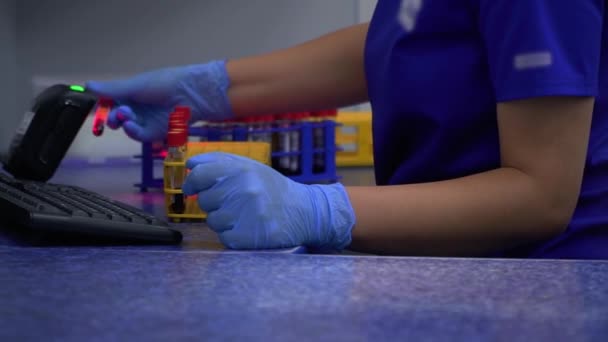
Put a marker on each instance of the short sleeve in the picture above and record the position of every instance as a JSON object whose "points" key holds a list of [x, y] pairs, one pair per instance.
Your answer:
{"points": [[542, 47]]}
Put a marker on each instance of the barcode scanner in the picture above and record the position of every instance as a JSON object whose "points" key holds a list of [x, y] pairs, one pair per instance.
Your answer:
{"points": [[47, 132]]}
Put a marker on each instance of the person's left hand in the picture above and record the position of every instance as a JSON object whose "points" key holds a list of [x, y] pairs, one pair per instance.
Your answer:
{"points": [[252, 206]]}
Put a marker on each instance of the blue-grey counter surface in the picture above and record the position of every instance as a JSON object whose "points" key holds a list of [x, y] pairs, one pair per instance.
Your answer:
{"points": [[199, 291]]}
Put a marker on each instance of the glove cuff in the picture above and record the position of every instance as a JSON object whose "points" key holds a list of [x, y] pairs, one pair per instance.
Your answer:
{"points": [[207, 87], [337, 216]]}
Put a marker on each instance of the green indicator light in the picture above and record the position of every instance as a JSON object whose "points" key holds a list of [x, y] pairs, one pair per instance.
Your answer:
{"points": [[77, 88]]}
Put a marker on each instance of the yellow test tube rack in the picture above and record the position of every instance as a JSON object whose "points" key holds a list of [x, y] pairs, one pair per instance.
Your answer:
{"points": [[354, 139]]}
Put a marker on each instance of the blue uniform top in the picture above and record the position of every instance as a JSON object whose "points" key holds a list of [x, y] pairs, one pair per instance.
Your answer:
{"points": [[437, 68]]}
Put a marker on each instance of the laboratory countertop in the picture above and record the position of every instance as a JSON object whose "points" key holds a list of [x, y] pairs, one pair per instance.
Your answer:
{"points": [[200, 291]]}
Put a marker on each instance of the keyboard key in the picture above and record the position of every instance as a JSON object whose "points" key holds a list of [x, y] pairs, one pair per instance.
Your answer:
{"points": [[119, 218], [48, 209], [31, 202], [137, 219], [14, 194], [80, 213], [99, 216]]}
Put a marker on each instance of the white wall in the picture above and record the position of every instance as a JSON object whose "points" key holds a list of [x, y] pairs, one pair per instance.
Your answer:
{"points": [[365, 10], [8, 66], [72, 41]]}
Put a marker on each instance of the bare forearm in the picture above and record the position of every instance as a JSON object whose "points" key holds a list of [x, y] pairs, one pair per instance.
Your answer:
{"points": [[327, 72], [470, 216]]}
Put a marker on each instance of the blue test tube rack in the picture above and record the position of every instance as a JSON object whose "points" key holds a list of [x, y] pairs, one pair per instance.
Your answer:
{"points": [[241, 132]]}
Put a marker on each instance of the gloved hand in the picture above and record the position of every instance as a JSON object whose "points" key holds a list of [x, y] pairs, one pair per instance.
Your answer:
{"points": [[146, 100], [252, 206]]}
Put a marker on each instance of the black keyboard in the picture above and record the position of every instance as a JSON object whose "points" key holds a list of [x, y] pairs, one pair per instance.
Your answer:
{"points": [[62, 213]]}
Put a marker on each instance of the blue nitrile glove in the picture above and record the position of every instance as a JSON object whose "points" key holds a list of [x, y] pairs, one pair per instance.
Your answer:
{"points": [[252, 206], [145, 101]]}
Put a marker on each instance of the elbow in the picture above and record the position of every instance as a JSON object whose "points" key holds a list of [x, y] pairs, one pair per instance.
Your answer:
{"points": [[557, 222], [553, 205], [557, 216]]}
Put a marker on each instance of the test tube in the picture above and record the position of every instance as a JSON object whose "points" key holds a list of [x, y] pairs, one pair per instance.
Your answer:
{"points": [[177, 141], [266, 128], [227, 128], [104, 106], [318, 163], [259, 128], [252, 134], [294, 142], [282, 143]]}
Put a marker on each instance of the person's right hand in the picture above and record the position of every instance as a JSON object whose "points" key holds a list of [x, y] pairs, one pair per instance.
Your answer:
{"points": [[143, 103], [252, 206]]}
